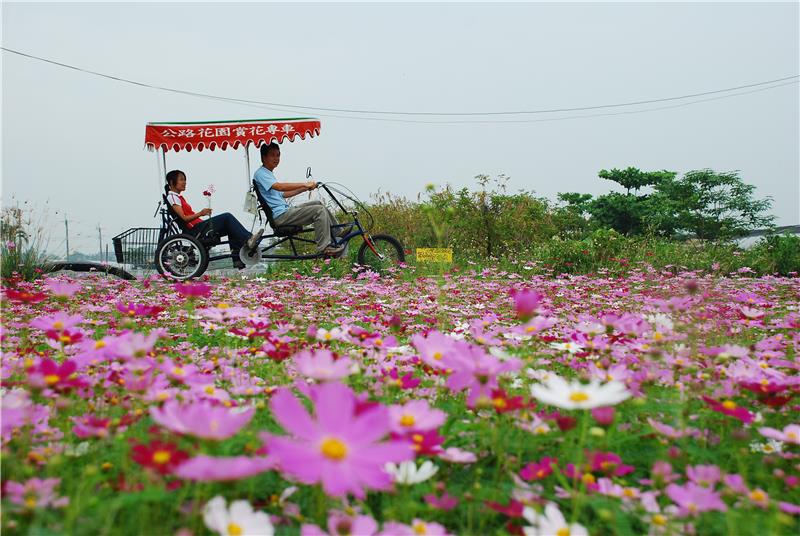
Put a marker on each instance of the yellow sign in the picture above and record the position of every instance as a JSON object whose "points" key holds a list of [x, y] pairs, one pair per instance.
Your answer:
{"points": [[434, 254]]}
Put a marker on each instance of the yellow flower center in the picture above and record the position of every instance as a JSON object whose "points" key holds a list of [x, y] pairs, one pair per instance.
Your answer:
{"points": [[437, 355], [328, 336], [588, 478], [729, 404], [178, 371], [579, 396], [658, 519], [58, 325], [51, 379], [334, 449], [757, 496], [30, 502], [99, 344], [64, 338], [563, 531], [210, 389], [791, 435], [407, 420], [378, 342], [419, 528], [500, 403], [234, 529], [161, 456], [223, 306], [628, 492]]}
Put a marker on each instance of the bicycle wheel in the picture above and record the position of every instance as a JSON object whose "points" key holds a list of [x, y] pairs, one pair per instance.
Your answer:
{"points": [[388, 252], [181, 257]]}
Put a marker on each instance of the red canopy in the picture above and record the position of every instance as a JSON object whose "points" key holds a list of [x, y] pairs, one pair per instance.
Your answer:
{"points": [[224, 134]]}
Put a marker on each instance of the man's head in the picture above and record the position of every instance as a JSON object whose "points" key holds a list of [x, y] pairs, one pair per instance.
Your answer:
{"points": [[270, 155]]}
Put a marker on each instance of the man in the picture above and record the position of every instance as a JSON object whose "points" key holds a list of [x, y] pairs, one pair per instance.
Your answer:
{"points": [[276, 193]]}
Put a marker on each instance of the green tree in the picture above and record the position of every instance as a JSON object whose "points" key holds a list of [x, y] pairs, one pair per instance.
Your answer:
{"points": [[710, 205]]}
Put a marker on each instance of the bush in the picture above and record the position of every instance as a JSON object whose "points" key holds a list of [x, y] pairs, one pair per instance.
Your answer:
{"points": [[22, 253]]}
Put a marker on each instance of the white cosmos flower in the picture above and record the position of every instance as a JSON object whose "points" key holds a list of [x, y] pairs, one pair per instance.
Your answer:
{"points": [[408, 472], [571, 347], [556, 391], [550, 523], [239, 520]]}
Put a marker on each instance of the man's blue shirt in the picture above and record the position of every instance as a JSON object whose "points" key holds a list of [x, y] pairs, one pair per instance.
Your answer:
{"points": [[264, 181]]}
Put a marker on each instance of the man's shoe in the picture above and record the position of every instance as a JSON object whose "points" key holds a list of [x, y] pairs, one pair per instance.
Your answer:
{"points": [[252, 242], [332, 251], [344, 231]]}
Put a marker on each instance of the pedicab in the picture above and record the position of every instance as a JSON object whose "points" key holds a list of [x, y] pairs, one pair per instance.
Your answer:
{"points": [[180, 254]]}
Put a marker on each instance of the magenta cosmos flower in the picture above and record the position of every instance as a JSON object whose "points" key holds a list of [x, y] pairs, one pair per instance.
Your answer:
{"points": [[201, 419], [477, 371], [338, 447]]}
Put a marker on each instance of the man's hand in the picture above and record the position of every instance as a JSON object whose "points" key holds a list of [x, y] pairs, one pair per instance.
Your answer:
{"points": [[205, 212], [310, 185]]}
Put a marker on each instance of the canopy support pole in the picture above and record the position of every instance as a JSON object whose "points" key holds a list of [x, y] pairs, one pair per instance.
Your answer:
{"points": [[161, 173], [247, 164]]}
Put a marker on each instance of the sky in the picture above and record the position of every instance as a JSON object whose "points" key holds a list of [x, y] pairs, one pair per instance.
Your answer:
{"points": [[73, 143]]}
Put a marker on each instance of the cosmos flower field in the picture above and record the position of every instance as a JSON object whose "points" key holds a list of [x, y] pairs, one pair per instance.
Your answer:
{"points": [[475, 402]]}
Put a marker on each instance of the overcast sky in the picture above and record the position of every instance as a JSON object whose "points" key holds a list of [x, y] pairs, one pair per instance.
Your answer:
{"points": [[77, 140]]}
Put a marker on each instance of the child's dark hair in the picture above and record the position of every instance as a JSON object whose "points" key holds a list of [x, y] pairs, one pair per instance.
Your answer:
{"points": [[172, 178], [266, 148]]}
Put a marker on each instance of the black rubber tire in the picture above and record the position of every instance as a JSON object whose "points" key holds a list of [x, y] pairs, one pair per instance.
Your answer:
{"points": [[388, 246], [181, 257]]}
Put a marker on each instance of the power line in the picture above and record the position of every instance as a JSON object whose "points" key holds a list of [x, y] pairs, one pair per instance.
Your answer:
{"points": [[385, 112]]}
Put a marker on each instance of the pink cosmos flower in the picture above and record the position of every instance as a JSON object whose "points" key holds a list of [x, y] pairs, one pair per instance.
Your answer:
{"points": [[538, 470], [693, 499], [790, 433], [433, 348], [341, 523], [322, 365], [35, 493], [445, 502], [60, 321], [526, 302], [193, 290], [62, 289], [417, 527], [415, 415], [216, 469], [90, 426], [202, 419], [338, 447], [704, 475], [477, 371], [457, 455]]}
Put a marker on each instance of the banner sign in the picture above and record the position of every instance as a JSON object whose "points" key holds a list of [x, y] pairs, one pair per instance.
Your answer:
{"points": [[223, 134], [435, 255]]}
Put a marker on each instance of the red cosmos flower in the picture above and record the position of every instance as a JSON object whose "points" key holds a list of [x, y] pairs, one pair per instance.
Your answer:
{"points": [[538, 470], [729, 407], [159, 456], [424, 443], [136, 309], [50, 374], [407, 381], [22, 296], [768, 393], [512, 509], [503, 404], [64, 337]]}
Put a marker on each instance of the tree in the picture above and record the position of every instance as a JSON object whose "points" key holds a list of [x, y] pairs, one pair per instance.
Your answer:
{"points": [[635, 179], [710, 205]]}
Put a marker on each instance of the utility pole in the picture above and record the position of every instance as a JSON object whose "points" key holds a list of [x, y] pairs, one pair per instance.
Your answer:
{"points": [[100, 237], [66, 227]]}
